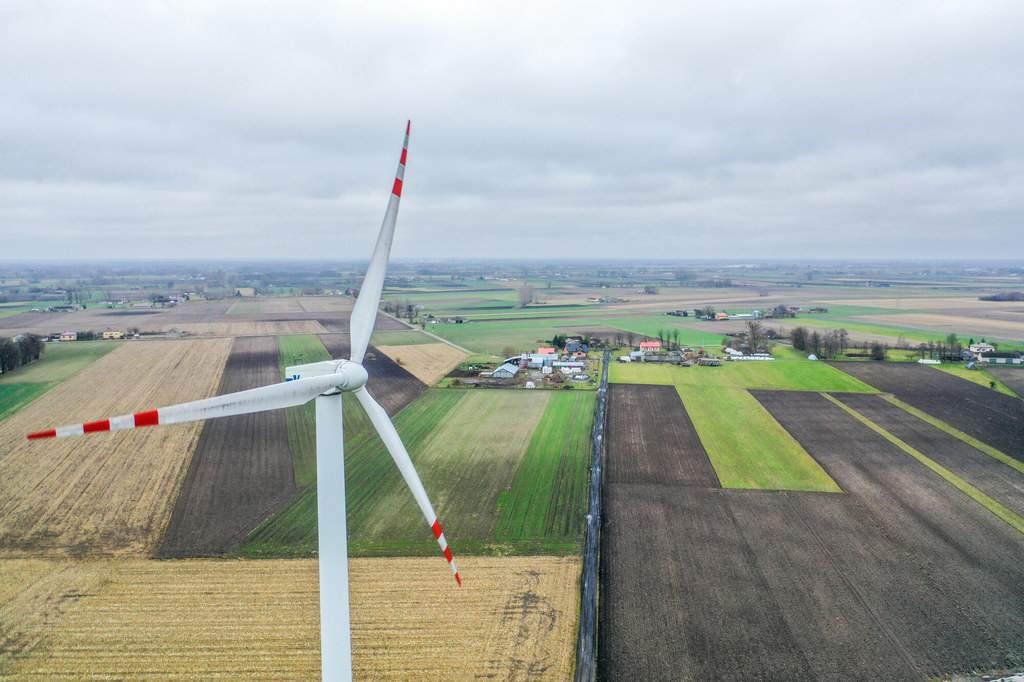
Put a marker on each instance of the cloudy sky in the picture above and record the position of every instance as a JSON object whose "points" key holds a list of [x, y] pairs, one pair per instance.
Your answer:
{"points": [[646, 129]]}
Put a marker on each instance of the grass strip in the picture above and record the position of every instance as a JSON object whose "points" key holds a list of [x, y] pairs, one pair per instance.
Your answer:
{"points": [[960, 484], [300, 349], [977, 376], [756, 454], [960, 435]]}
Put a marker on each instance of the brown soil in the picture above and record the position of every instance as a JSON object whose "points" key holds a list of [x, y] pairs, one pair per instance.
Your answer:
{"points": [[242, 469]]}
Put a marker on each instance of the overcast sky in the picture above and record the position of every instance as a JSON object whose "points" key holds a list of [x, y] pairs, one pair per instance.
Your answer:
{"points": [[590, 129]]}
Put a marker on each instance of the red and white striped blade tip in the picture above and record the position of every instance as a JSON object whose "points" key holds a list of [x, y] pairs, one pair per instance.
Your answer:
{"points": [[443, 541], [128, 421]]}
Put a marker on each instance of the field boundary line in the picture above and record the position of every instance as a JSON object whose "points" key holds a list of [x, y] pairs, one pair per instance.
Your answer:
{"points": [[444, 340], [959, 435], [960, 484]]}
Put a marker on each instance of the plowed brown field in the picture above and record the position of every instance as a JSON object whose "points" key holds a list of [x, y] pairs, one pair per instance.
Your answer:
{"points": [[106, 493], [514, 618], [242, 471]]}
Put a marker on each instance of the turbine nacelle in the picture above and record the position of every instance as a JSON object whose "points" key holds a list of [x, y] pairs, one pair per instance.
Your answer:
{"points": [[351, 375]]}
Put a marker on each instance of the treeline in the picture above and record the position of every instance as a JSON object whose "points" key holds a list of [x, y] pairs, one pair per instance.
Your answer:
{"points": [[826, 344], [19, 351], [1008, 296]]}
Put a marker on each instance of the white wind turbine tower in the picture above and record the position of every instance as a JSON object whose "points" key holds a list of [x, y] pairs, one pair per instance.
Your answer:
{"points": [[324, 381]]}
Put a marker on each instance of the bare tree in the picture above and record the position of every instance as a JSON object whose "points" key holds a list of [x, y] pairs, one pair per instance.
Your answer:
{"points": [[526, 294]]}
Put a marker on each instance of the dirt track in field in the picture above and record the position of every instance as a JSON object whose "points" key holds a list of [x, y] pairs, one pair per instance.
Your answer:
{"points": [[242, 469], [993, 418], [900, 578]]}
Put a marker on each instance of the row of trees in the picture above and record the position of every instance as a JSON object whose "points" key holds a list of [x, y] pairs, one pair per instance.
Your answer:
{"points": [[17, 352], [824, 344], [400, 308]]}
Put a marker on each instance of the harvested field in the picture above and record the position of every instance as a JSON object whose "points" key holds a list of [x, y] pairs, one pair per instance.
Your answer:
{"points": [[653, 439], [222, 327], [962, 325], [997, 480], [1011, 377], [328, 304], [109, 493], [514, 618], [242, 470], [924, 303], [428, 362], [991, 417]]}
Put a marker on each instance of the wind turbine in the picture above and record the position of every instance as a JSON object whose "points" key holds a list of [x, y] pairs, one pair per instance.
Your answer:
{"points": [[325, 382]]}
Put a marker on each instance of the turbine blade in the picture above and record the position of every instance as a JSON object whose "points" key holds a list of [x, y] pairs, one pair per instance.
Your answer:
{"points": [[365, 312], [394, 444], [270, 397]]}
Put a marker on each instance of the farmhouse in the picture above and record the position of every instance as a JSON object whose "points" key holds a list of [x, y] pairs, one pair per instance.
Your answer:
{"points": [[111, 333], [721, 316], [577, 349], [977, 348], [69, 336], [650, 346]]}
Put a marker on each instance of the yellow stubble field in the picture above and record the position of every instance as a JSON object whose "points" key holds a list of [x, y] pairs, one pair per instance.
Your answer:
{"points": [[104, 493], [428, 362], [515, 618]]}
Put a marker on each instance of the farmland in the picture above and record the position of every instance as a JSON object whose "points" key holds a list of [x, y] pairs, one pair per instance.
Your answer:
{"points": [[242, 468], [804, 585], [752, 527], [488, 478], [514, 618], [755, 452], [428, 362], [991, 417], [57, 363], [111, 493]]}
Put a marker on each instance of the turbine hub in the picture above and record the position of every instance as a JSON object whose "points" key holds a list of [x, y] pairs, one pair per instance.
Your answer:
{"points": [[351, 375]]}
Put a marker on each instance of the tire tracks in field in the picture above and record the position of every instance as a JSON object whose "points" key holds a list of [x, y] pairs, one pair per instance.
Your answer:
{"points": [[890, 634]]}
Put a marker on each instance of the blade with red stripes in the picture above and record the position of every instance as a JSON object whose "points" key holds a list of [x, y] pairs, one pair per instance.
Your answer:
{"points": [[254, 400], [365, 312], [394, 444]]}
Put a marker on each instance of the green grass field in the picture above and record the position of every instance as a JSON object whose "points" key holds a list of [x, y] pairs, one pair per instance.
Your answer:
{"points": [[58, 362], [401, 338], [246, 308], [485, 458], [780, 375], [747, 446], [296, 350], [544, 506], [13, 396]]}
